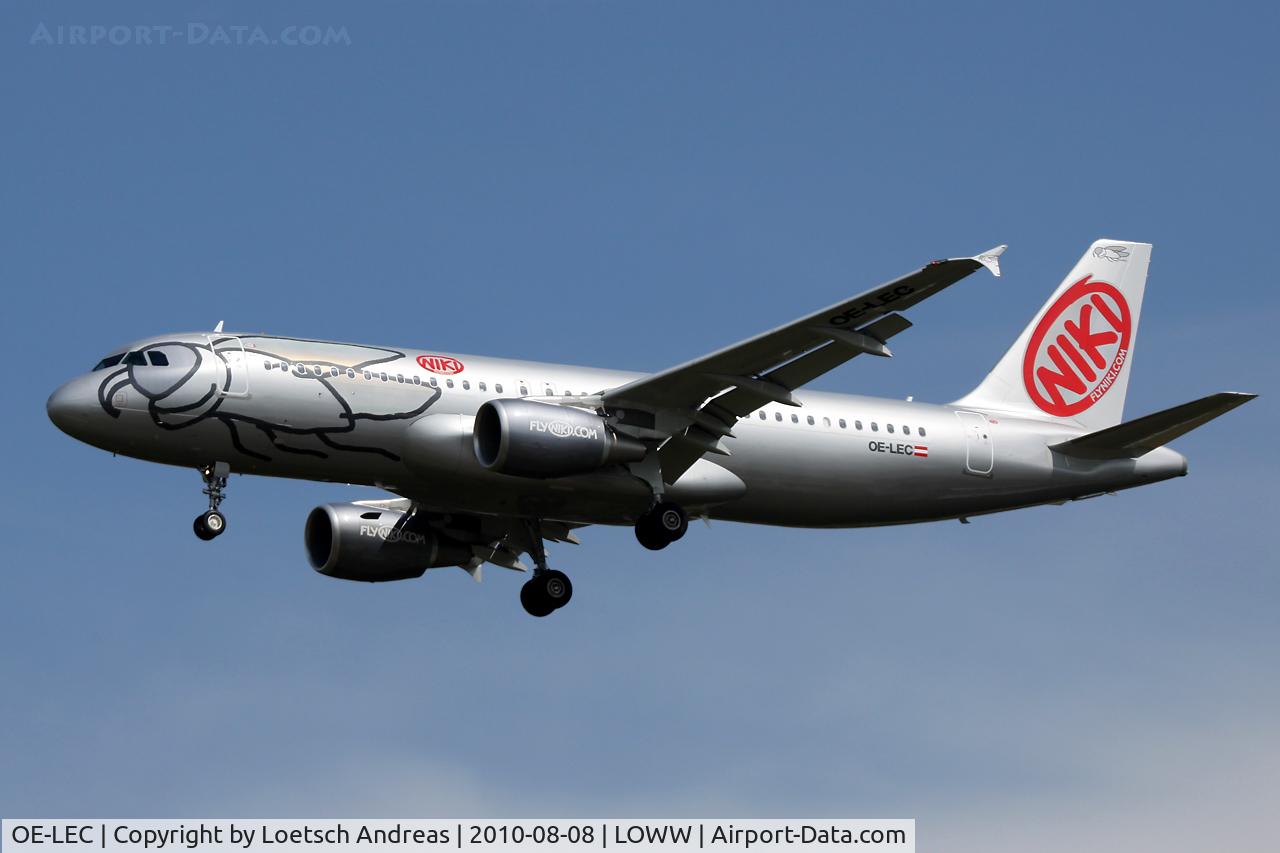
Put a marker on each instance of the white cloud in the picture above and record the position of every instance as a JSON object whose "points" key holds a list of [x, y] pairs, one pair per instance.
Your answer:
{"points": [[1207, 784]]}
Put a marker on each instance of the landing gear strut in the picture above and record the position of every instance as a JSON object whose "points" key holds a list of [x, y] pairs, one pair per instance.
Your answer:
{"points": [[548, 590], [212, 523], [661, 526]]}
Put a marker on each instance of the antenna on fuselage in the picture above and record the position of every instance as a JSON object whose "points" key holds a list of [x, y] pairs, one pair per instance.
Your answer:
{"points": [[217, 330]]}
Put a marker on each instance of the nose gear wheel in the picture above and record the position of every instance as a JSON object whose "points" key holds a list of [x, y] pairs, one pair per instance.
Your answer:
{"points": [[211, 524]]}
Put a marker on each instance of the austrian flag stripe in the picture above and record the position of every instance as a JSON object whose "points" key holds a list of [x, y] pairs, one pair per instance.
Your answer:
{"points": [[918, 450]]}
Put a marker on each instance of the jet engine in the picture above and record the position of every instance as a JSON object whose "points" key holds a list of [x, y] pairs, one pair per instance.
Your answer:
{"points": [[527, 439], [363, 543]]}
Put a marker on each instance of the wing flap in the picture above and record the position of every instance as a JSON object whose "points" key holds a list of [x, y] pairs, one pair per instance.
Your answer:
{"points": [[685, 448], [742, 400]]}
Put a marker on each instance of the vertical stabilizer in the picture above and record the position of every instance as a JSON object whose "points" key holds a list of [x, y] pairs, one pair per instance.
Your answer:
{"points": [[1073, 361]]}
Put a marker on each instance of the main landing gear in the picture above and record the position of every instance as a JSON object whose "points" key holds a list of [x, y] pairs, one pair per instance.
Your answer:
{"points": [[548, 590], [213, 523], [661, 526]]}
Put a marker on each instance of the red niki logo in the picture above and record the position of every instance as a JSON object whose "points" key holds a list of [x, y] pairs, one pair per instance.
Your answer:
{"points": [[442, 364], [1078, 348]]}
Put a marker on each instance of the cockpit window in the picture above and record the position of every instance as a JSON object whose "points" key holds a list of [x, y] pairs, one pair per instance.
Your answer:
{"points": [[135, 358], [109, 361], [158, 359]]}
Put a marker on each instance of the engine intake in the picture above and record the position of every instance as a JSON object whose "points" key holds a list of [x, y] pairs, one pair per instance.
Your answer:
{"points": [[361, 543], [527, 439]]}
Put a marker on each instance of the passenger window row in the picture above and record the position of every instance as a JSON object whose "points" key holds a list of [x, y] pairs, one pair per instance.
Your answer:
{"points": [[335, 372], [857, 424]]}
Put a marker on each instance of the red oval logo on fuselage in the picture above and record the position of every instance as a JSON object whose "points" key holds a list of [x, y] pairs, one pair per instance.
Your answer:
{"points": [[442, 364], [1078, 348]]}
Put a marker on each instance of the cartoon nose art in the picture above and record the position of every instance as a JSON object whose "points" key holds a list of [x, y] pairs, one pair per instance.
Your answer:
{"points": [[177, 380]]}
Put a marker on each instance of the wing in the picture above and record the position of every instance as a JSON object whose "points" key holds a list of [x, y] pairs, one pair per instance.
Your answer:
{"points": [[691, 407], [499, 540]]}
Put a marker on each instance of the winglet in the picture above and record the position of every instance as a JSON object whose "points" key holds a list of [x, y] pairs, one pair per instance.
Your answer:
{"points": [[991, 259], [217, 330]]}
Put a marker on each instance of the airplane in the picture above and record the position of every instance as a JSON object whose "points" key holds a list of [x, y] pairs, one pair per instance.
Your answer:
{"points": [[489, 459]]}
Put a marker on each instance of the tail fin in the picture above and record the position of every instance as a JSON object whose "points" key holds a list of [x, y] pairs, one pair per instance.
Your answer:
{"points": [[1073, 361]]}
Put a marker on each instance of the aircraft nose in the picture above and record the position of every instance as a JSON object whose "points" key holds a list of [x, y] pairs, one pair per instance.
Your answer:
{"points": [[71, 405]]}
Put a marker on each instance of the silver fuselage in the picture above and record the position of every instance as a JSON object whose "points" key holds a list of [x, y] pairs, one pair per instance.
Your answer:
{"points": [[345, 413]]}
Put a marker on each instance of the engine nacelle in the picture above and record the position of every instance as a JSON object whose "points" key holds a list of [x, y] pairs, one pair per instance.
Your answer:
{"points": [[362, 543], [527, 439]]}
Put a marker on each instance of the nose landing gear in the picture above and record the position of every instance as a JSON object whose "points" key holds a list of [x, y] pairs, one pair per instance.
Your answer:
{"points": [[213, 523]]}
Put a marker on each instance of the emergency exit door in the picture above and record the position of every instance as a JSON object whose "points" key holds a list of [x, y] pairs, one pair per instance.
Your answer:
{"points": [[979, 453]]}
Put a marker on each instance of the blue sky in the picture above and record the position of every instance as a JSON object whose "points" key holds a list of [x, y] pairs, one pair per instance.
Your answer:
{"points": [[630, 185]]}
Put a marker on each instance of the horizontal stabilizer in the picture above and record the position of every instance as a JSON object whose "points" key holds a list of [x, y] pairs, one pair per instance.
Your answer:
{"points": [[1132, 439]]}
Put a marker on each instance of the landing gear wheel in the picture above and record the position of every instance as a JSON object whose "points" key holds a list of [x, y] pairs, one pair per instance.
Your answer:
{"points": [[534, 599], [671, 520], [661, 526], [648, 535], [215, 522], [210, 525], [557, 588], [546, 592]]}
